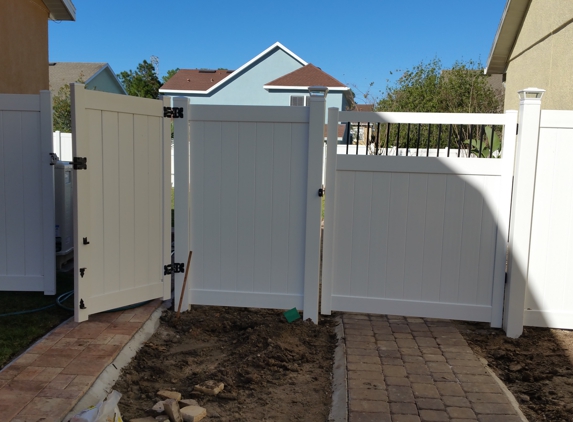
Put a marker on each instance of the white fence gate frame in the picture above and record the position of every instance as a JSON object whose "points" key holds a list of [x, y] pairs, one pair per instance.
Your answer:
{"points": [[27, 232], [417, 236], [251, 211], [121, 201]]}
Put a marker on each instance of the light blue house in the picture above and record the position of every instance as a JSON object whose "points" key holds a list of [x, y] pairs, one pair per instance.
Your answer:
{"points": [[276, 76]]}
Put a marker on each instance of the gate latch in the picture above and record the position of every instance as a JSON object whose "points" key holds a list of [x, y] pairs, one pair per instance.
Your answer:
{"points": [[175, 112], [80, 163], [322, 191], [176, 267]]}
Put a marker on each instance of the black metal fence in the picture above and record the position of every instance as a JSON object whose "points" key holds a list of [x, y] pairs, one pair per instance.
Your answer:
{"points": [[425, 140]]}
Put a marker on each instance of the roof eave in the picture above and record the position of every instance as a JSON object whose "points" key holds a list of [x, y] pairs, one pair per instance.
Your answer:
{"points": [[61, 10], [304, 88], [507, 32]]}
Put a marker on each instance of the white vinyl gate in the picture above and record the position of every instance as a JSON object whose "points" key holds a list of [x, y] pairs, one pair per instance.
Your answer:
{"points": [[251, 212], [27, 232], [121, 200], [417, 236]]}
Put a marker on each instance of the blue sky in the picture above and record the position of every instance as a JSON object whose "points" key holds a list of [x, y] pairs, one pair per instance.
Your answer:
{"points": [[357, 42]]}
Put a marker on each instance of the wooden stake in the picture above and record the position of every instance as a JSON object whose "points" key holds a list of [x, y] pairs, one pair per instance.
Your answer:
{"points": [[184, 283]]}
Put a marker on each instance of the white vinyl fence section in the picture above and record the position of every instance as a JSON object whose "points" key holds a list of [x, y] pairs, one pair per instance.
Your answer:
{"points": [[63, 145], [540, 275], [121, 201], [27, 232], [252, 205], [417, 236]]}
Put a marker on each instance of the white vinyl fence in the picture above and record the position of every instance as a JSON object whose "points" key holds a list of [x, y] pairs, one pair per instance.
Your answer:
{"points": [[417, 236], [27, 232], [251, 212], [62, 146]]}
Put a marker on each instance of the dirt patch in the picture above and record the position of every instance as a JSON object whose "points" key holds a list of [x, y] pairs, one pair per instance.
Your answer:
{"points": [[537, 367], [272, 370]]}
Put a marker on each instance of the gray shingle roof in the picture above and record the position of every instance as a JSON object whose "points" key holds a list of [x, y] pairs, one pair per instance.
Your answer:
{"points": [[63, 73]]}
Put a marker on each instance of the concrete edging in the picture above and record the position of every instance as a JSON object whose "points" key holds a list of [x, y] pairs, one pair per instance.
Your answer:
{"points": [[339, 407], [103, 384]]}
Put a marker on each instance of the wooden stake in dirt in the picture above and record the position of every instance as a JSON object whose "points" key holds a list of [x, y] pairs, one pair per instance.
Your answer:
{"points": [[184, 283]]}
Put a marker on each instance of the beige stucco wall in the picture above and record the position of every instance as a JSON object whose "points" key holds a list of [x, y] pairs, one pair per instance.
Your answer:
{"points": [[543, 58], [24, 47]]}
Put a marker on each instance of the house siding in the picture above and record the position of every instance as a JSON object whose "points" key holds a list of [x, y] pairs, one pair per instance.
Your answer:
{"points": [[542, 62], [105, 82], [24, 46]]}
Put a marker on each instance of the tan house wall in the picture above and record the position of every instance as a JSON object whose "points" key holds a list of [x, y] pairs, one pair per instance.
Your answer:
{"points": [[543, 55], [24, 47]]}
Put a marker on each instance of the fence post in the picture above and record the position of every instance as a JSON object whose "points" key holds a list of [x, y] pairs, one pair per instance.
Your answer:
{"points": [[313, 201], [181, 197], [328, 233], [522, 209]]}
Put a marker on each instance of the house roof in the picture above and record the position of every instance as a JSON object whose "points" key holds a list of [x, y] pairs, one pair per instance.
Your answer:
{"points": [[195, 79], [64, 73], [168, 88], [506, 36], [61, 10], [364, 107], [304, 77]]}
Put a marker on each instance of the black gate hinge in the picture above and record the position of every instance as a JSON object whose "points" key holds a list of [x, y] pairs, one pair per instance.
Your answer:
{"points": [[517, 129], [82, 271], [173, 268], [175, 112], [82, 305], [80, 163]]}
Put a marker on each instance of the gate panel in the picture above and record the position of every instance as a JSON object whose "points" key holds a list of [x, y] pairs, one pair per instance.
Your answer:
{"points": [[248, 205], [417, 236], [121, 201], [27, 224]]}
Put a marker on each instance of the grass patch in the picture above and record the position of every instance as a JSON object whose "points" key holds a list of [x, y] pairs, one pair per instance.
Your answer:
{"points": [[20, 331]]}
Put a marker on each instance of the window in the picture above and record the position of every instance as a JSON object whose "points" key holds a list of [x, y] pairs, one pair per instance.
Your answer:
{"points": [[298, 100]]}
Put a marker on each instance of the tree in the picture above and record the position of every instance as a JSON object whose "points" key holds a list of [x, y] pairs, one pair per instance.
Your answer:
{"points": [[142, 82], [62, 110], [169, 75], [429, 88]]}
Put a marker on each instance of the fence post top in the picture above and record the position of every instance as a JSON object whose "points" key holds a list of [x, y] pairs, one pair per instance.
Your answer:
{"points": [[531, 94], [318, 91]]}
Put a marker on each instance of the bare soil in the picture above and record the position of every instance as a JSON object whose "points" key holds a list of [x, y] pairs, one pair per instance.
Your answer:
{"points": [[537, 367], [272, 370]]}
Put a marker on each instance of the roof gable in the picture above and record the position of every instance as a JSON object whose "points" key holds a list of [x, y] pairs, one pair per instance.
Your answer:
{"points": [[172, 87], [506, 36], [64, 73], [304, 77]]}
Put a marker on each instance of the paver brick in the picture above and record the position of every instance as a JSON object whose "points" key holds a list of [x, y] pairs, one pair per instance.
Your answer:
{"points": [[487, 398], [425, 390], [433, 358], [390, 354], [466, 362], [363, 359], [392, 361], [470, 370], [387, 345], [362, 383], [369, 406], [400, 394], [403, 409], [430, 350], [478, 379], [493, 408], [470, 387], [433, 416], [444, 376], [363, 345], [426, 342], [385, 337], [448, 341], [413, 359], [359, 366], [397, 381], [417, 368], [400, 328], [458, 356], [438, 367], [498, 418], [449, 389], [405, 418], [410, 352], [360, 338], [394, 371], [421, 379], [461, 412], [367, 375], [431, 404], [406, 343], [420, 334], [361, 351], [369, 417], [367, 394], [455, 401]]}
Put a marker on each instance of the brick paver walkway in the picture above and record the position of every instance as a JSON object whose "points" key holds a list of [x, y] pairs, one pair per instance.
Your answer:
{"points": [[46, 382], [403, 369]]}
